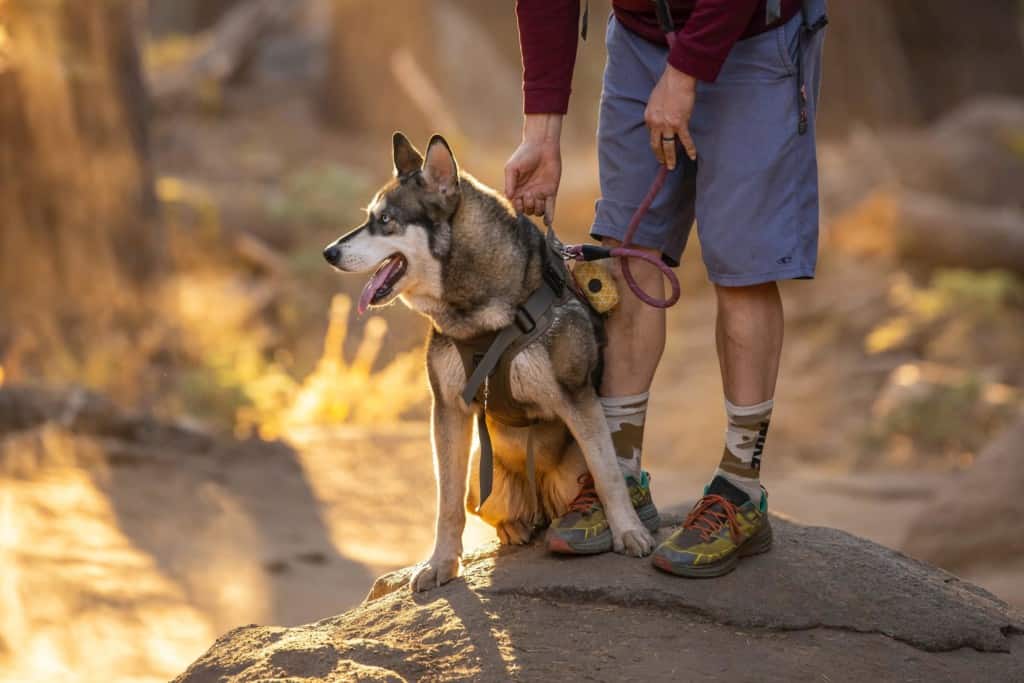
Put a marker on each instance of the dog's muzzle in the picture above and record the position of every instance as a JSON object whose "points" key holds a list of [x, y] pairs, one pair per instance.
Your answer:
{"points": [[332, 254]]}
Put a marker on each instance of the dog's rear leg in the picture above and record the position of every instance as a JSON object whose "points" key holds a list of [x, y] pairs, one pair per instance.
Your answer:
{"points": [[510, 508], [560, 486], [451, 433]]}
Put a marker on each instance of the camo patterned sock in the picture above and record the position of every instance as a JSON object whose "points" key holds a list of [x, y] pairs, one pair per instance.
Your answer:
{"points": [[744, 443], [625, 416]]}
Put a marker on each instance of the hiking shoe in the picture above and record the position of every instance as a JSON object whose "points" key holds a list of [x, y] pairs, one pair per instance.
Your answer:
{"points": [[584, 529], [722, 527]]}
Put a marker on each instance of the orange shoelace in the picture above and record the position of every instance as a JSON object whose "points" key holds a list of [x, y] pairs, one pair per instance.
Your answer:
{"points": [[587, 496], [708, 521]]}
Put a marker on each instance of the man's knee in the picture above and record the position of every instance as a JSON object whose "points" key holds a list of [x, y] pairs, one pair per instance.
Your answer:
{"points": [[760, 302], [728, 296]]}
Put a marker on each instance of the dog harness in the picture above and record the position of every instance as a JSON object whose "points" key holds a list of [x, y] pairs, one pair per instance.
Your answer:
{"points": [[488, 358]]}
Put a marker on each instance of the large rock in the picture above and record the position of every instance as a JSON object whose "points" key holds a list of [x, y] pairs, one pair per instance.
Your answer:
{"points": [[975, 519], [972, 155], [823, 604]]}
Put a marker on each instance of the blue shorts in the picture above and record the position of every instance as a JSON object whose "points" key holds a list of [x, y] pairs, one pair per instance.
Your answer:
{"points": [[754, 187]]}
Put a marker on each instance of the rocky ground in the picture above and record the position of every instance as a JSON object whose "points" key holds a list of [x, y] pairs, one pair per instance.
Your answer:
{"points": [[823, 605]]}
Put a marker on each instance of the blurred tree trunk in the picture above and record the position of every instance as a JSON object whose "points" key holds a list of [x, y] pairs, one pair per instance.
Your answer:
{"points": [[167, 17], [957, 49], [467, 71], [892, 62], [362, 90], [866, 75], [75, 181]]}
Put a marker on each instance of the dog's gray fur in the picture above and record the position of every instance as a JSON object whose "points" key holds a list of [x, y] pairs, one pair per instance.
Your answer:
{"points": [[470, 261]]}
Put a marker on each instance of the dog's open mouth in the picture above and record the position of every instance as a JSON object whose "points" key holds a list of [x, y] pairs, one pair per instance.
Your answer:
{"points": [[383, 281]]}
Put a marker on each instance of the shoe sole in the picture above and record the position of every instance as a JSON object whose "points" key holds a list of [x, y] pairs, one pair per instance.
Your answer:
{"points": [[602, 543], [761, 542]]}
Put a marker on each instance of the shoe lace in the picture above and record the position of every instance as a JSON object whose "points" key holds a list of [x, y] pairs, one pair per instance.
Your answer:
{"points": [[707, 520], [587, 496]]}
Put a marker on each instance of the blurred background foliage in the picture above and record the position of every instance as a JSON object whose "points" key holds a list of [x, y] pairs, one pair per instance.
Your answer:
{"points": [[170, 170]]}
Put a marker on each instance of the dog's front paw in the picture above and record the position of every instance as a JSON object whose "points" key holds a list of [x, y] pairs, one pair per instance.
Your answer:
{"points": [[634, 540], [433, 573]]}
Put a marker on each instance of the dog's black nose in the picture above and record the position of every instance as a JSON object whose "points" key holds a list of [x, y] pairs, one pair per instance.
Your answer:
{"points": [[332, 253]]}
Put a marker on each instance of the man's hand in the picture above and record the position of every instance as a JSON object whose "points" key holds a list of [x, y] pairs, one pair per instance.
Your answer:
{"points": [[668, 115], [534, 170]]}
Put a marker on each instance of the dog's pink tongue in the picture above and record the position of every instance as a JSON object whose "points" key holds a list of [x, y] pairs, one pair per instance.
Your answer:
{"points": [[377, 280]]}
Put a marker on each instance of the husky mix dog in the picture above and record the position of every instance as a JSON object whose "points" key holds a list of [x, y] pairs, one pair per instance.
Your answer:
{"points": [[457, 252]]}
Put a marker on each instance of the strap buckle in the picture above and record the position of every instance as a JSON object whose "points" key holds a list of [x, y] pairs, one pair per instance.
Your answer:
{"points": [[524, 321]]}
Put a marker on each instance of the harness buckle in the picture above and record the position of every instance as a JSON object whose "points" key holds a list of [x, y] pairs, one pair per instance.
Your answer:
{"points": [[524, 321]]}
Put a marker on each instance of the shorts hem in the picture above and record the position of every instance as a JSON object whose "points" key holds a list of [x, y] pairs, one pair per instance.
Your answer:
{"points": [[801, 273]]}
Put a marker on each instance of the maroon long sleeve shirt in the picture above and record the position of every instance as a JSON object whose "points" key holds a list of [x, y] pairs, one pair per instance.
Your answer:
{"points": [[705, 32]]}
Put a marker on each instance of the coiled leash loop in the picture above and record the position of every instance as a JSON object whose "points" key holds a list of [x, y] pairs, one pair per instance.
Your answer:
{"points": [[625, 252]]}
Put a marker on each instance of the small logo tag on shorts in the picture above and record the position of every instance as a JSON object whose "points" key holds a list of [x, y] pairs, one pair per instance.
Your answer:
{"points": [[784, 260]]}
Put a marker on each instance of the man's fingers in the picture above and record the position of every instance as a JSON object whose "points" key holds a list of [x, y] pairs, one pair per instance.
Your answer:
{"points": [[549, 210], [518, 203], [529, 205], [656, 146], [668, 144], [687, 142], [511, 179]]}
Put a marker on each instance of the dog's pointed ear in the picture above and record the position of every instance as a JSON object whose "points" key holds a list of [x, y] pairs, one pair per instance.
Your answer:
{"points": [[407, 158], [440, 170]]}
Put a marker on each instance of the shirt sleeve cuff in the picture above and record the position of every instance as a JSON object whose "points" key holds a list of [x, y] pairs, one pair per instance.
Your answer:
{"points": [[545, 101], [688, 60]]}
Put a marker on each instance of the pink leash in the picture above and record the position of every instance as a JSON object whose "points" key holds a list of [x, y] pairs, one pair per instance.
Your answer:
{"points": [[625, 252]]}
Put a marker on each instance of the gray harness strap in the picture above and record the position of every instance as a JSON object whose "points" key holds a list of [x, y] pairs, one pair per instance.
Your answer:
{"points": [[532, 319], [525, 323]]}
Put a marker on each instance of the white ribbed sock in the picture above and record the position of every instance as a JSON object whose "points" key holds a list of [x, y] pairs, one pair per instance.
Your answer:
{"points": [[625, 416], [744, 444]]}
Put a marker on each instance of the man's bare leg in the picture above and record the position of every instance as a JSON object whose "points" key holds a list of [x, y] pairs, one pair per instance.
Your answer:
{"points": [[748, 334], [636, 341], [636, 331]]}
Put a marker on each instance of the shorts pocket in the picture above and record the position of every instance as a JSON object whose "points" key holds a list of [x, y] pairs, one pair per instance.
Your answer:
{"points": [[788, 46]]}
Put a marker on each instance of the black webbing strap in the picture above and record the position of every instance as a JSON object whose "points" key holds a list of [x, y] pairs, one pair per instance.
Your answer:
{"points": [[661, 9], [772, 11], [526, 319], [486, 458]]}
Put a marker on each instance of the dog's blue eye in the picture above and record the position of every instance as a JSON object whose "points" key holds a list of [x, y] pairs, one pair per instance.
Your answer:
{"points": [[384, 218]]}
